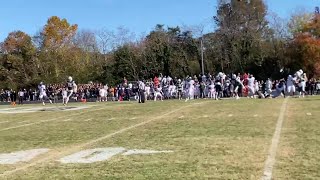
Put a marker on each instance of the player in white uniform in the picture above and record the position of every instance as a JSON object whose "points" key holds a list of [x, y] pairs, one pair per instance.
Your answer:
{"points": [[268, 88], [251, 80], [238, 84], [102, 95], [64, 95], [42, 93], [291, 89], [71, 88], [299, 74], [303, 81], [212, 91], [158, 93], [191, 88]]}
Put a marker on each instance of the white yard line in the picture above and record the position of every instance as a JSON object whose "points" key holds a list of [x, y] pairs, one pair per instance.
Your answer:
{"points": [[3, 122], [22, 122], [53, 119], [268, 167], [88, 120], [67, 120], [90, 143]]}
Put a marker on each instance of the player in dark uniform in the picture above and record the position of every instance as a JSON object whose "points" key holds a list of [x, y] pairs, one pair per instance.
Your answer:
{"points": [[141, 91], [179, 86], [51, 93], [218, 87], [237, 86]]}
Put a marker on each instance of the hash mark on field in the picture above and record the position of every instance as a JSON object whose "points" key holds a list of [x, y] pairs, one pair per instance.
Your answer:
{"points": [[23, 122], [67, 120], [88, 120], [3, 122], [230, 115], [133, 118], [309, 114], [181, 117], [110, 119], [205, 116], [267, 173], [81, 146], [256, 115]]}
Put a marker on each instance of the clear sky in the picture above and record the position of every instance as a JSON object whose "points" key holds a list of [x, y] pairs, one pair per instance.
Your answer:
{"points": [[140, 16]]}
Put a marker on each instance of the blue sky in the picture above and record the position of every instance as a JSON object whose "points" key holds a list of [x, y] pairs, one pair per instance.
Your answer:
{"points": [[140, 16]]}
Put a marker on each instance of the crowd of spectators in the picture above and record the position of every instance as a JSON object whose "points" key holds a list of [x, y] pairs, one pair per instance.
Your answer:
{"points": [[128, 90]]}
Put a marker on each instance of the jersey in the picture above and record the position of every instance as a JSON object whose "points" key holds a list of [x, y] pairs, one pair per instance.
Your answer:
{"points": [[42, 88], [179, 86], [42, 91], [70, 85], [211, 87], [64, 93], [268, 85], [251, 82], [141, 86], [290, 81], [237, 82]]}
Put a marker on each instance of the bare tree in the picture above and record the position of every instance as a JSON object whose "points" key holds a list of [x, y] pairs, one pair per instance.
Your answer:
{"points": [[86, 40], [105, 40], [123, 36]]}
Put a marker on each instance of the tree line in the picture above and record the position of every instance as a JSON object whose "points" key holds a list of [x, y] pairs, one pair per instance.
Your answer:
{"points": [[246, 39]]}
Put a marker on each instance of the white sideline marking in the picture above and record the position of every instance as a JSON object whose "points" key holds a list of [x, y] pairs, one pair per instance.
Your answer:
{"points": [[267, 173], [143, 151], [37, 109], [91, 155], [43, 121], [3, 122], [77, 147]]}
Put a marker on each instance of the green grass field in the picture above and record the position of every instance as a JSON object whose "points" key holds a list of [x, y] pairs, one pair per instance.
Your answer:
{"points": [[225, 139]]}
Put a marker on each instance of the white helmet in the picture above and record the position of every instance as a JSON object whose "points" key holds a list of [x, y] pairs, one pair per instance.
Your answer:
{"points": [[234, 76], [69, 78]]}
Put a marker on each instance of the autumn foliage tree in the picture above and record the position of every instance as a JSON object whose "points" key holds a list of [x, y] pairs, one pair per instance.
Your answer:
{"points": [[57, 51], [18, 59], [305, 47], [58, 33]]}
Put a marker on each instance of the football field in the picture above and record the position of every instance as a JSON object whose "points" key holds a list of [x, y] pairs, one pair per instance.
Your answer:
{"points": [[199, 139]]}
